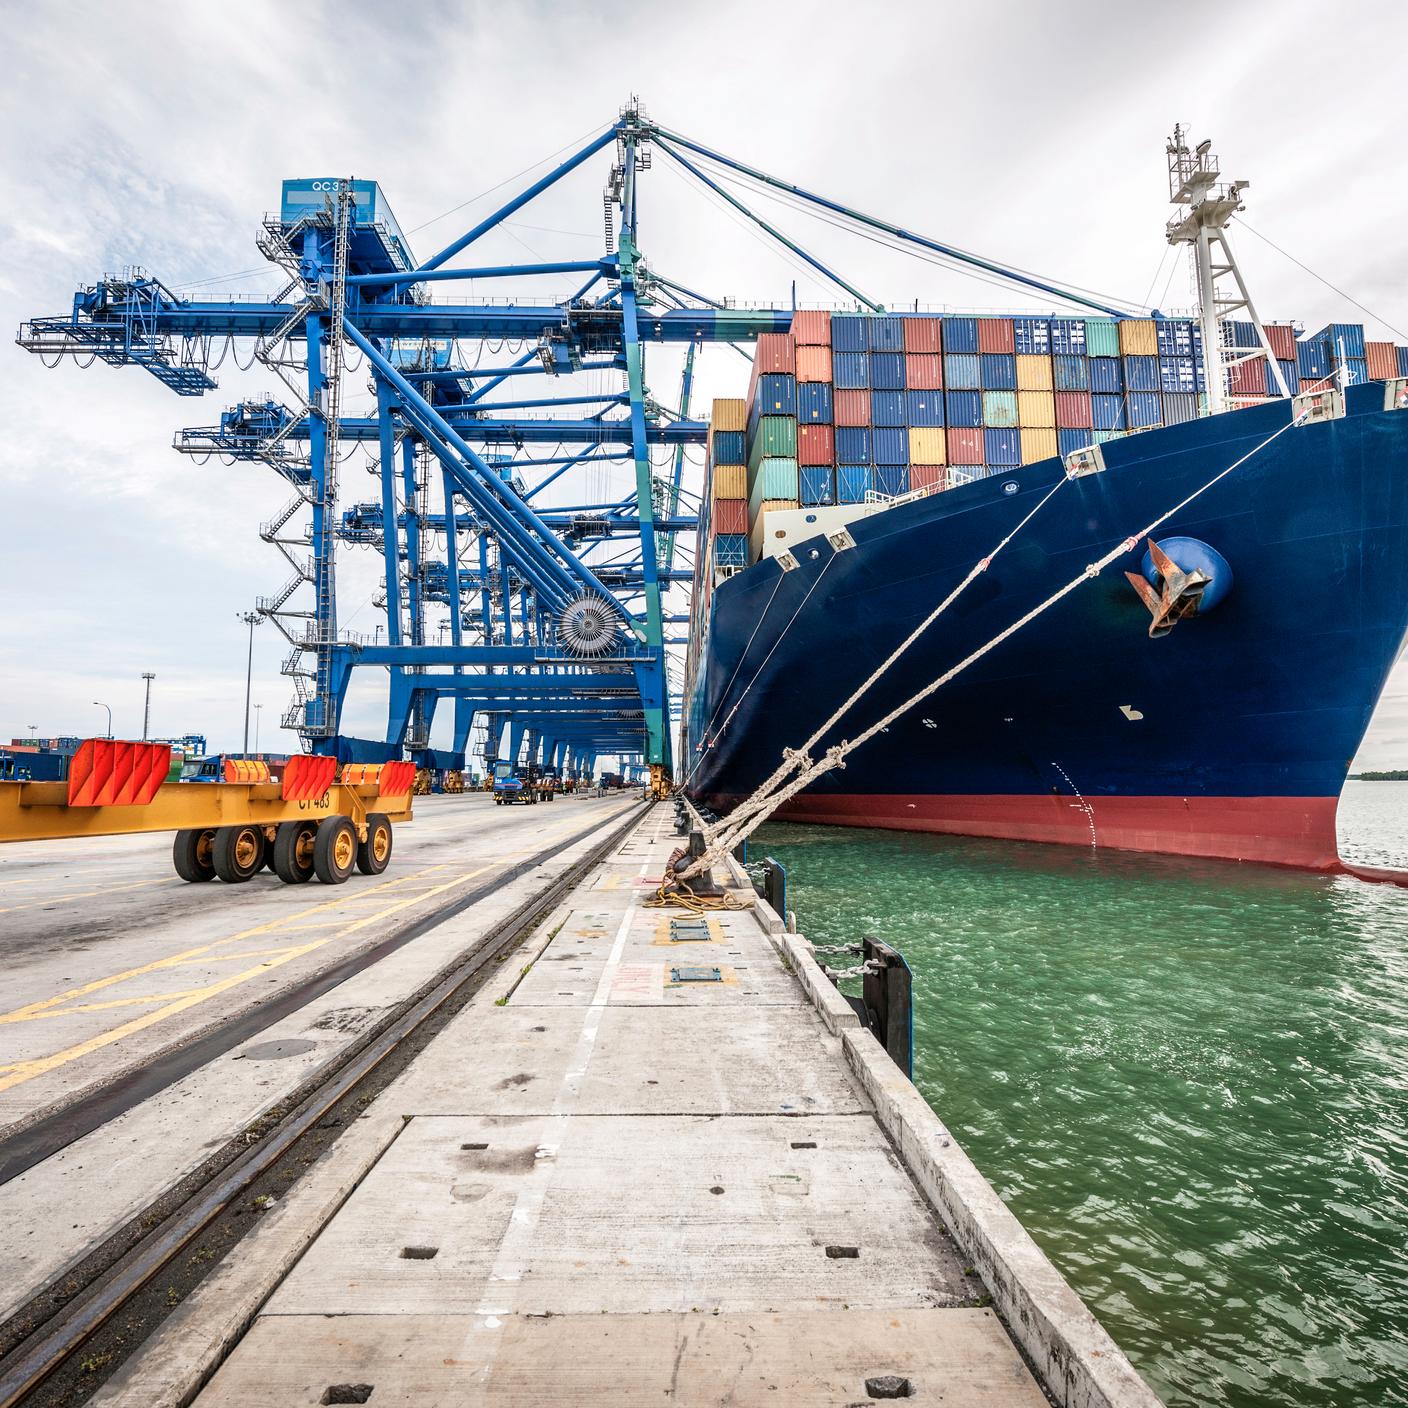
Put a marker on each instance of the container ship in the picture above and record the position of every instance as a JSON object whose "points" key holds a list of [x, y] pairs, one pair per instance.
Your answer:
{"points": [[1202, 696]]}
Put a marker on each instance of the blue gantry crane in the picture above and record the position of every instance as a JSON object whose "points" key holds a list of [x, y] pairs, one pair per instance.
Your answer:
{"points": [[556, 619]]}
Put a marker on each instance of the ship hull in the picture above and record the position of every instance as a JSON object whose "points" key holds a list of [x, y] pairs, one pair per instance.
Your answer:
{"points": [[1229, 737]]}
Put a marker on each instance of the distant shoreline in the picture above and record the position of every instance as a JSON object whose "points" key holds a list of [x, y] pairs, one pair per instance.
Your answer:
{"points": [[1393, 775]]}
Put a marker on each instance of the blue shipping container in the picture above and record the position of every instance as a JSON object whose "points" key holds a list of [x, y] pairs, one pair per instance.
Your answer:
{"points": [[1002, 447], [1108, 412], [818, 486], [731, 550], [1291, 374], [960, 335], [1106, 376], [890, 444], [1313, 358], [1175, 337], [962, 371], [887, 408], [853, 482], [848, 332], [1141, 373], [887, 369], [1344, 339], [1180, 408], [1358, 370], [852, 444], [1402, 360], [1068, 339], [892, 479], [1145, 409], [1068, 440], [777, 395], [1072, 371], [814, 402], [1176, 374], [964, 408], [886, 334], [729, 447], [1033, 336], [1237, 334], [851, 370], [923, 407], [999, 371]]}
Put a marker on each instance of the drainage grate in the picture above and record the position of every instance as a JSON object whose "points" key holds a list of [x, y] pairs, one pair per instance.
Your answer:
{"points": [[696, 975]]}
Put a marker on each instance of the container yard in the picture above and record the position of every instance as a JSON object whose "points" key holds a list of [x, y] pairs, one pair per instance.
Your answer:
{"points": [[960, 957]]}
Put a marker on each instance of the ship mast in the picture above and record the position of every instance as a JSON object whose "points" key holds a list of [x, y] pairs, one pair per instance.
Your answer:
{"points": [[1208, 207]]}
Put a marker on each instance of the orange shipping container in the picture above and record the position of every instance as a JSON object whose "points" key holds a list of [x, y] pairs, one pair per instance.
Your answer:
{"points": [[815, 445], [1036, 408], [811, 328], [731, 482], [923, 334], [1038, 444], [1383, 360], [1282, 337], [1138, 338], [813, 363], [730, 516], [851, 407], [926, 445], [965, 446], [924, 371], [730, 413], [776, 352], [995, 335], [1033, 373], [927, 476]]}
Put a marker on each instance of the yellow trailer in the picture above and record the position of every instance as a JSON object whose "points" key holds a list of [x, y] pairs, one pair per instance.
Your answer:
{"points": [[314, 821]]}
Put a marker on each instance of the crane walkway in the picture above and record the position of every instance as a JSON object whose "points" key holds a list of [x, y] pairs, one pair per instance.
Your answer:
{"points": [[640, 1167]]}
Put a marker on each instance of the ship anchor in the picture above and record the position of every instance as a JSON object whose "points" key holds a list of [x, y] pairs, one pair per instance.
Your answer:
{"points": [[1179, 597]]}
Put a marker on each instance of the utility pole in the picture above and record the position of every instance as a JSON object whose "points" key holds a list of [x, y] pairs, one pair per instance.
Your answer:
{"points": [[99, 703], [251, 619], [257, 709], [147, 707]]}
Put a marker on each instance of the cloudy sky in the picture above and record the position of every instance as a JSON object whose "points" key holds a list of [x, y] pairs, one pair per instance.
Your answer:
{"points": [[156, 134]]}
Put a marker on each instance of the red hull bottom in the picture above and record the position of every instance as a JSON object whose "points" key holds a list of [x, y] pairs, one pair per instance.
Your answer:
{"points": [[1297, 831]]}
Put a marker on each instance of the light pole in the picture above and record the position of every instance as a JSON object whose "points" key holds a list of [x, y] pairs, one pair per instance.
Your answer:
{"points": [[147, 707], [101, 705], [257, 709], [251, 619]]}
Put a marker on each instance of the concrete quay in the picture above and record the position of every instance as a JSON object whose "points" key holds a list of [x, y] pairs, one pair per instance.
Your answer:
{"points": [[640, 1167]]}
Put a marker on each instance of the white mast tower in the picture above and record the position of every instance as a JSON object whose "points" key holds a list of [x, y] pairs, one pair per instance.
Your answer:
{"points": [[1194, 182]]}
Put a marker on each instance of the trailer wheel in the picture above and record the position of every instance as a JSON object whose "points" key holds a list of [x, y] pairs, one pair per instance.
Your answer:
{"points": [[293, 851], [334, 850], [192, 854], [238, 853], [374, 854]]}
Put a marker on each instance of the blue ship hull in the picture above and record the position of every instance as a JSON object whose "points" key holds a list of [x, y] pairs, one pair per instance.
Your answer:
{"points": [[1231, 736]]}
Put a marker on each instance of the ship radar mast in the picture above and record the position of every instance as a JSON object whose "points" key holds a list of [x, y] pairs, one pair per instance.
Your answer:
{"points": [[1206, 207]]}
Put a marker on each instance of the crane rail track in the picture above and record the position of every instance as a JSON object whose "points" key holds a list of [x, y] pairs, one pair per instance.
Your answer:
{"points": [[57, 1340]]}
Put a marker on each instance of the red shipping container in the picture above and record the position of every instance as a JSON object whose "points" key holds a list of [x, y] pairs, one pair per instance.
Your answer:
{"points": [[924, 371], [1248, 378], [815, 445], [1383, 360], [965, 445], [923, 334], [811, 328], [851, 408], [730, 516], [1073, 410], [1282, 337], [776, 353], [927, 476], [813, 364], [995, 335]]}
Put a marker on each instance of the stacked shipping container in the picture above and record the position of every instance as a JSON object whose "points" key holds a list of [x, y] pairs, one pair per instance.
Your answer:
{"points": [[848, 405]]}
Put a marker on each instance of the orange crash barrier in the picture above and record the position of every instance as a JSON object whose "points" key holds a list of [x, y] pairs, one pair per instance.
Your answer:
{"points": [[110, 772]]}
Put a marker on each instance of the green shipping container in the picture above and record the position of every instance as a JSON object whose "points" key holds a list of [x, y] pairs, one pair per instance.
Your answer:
{"points": [[775, 478], [775, 435], [1000, 409], [1102, 337]]}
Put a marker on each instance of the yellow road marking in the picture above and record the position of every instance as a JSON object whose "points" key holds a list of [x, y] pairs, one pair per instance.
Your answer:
{"points": [[83, 895]]}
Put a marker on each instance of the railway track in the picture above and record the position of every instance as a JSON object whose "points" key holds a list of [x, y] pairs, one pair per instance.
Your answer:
{"points": [[67, 1340]]}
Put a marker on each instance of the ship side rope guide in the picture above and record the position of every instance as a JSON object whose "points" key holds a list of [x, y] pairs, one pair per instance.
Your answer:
{"points": [[782, 786]]}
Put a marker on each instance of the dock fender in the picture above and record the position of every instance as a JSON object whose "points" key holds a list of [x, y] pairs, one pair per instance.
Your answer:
{"points": [[1194, 555]]}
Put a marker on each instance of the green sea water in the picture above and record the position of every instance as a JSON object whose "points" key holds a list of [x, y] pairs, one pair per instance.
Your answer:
{"points": [[1188, 1079]]}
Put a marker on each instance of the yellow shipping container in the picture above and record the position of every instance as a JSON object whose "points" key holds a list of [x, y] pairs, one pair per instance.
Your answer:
{"points": [[1033, 373], [1138, 338], [731, 413], [730, 481], [1038, 443], [926, 445], [1036, 408]]}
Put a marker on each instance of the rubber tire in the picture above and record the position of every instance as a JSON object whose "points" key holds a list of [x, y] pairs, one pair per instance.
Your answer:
{"points": [[226, 853], [191, 854], [334, 858], [368, 860], [288, 865]]}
